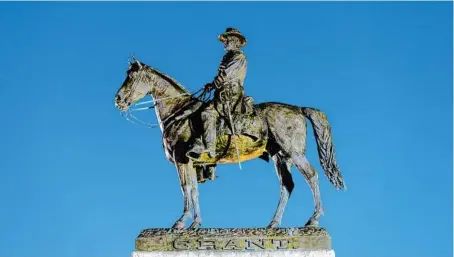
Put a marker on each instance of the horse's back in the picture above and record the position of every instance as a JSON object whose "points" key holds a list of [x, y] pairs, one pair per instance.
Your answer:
{"points": [[286, 125]]}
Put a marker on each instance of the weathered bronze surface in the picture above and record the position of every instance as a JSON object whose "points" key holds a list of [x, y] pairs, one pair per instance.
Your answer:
{"points": [[239, 239], [233, 128]]}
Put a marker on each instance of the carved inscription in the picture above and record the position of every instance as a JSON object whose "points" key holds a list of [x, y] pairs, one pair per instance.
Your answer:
{"points": [[281, 243], [231, 244], [233, 239], [255, 244], [181, 244], [206, 245]]}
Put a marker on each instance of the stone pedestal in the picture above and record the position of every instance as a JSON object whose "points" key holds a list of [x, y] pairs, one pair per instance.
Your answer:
{"points": [[252, 242], [280, 253]]}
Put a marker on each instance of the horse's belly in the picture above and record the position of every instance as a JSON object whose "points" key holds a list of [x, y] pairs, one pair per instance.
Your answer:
{"points": [[226, 149]]}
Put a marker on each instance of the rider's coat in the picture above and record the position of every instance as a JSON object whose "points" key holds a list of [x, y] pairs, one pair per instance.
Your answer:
{"points": [[229, 81], [232, 68]]}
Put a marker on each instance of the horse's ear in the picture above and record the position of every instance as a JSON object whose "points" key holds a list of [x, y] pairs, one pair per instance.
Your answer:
{"points": [[136, 60]]}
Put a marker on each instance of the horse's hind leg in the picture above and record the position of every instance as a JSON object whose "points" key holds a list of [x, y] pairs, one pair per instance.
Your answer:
{"points": [[283, 167], [311, 176]]}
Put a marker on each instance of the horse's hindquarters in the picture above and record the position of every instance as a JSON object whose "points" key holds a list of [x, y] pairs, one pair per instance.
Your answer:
{"points": [[286, 127]]}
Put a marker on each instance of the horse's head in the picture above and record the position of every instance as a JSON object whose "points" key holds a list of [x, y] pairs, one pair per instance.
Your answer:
{"points": [[135, 86]]}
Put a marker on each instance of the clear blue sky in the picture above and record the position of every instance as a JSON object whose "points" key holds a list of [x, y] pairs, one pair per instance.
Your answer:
{"points": [[78, 180]]}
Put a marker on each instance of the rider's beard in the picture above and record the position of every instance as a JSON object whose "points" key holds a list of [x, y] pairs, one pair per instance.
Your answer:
{"points": [[232, 44]]}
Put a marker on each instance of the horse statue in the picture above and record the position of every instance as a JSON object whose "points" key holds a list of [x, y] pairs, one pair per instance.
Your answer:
{"points": [[282, 138]]}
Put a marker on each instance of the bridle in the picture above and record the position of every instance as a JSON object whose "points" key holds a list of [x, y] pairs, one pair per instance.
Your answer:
{"points": [[204, 97]]}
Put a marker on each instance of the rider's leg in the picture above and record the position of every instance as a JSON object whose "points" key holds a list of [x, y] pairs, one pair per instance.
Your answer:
{"points": [[207, 142], [209, 117]]}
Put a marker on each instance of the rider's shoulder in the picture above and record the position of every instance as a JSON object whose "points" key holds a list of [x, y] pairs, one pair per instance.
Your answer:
{"points": [[235, 54]]}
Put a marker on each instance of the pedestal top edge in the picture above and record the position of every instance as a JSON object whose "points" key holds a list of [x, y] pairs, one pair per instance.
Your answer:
{"points": [[290, 231]]}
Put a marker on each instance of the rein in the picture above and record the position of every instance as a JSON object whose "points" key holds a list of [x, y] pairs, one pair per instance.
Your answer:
{"points": [[203, 97]]}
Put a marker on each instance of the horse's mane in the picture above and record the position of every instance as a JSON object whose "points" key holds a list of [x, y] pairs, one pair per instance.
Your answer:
{"points": [[167, 78]]}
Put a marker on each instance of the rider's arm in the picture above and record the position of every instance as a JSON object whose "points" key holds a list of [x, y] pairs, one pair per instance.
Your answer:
{"points": [[233, 66]]}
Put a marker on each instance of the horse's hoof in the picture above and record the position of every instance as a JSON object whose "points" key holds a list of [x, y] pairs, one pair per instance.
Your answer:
{"points": [[312, 223], [273, 224], [195, 225], [179, 225]]}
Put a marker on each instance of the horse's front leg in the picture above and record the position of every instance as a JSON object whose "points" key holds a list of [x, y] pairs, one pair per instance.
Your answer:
{"points": [[186, 190], [192, 174]]}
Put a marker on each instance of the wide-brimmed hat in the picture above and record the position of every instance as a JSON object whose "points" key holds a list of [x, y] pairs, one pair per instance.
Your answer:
{"points": [[232, 32]]}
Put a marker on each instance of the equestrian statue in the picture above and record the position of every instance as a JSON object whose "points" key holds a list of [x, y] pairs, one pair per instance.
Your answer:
{"points": [[199, 133]]}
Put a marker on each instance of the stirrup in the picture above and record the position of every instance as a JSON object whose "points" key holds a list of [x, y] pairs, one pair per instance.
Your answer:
{"points": [[195, 156]]}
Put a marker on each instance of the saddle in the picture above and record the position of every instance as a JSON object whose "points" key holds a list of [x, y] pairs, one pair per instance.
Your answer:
{"points": [[250, 137], [246, 141]]}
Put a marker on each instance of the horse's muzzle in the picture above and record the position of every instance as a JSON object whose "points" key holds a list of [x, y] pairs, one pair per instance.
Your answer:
{"points": [[121, 105]]}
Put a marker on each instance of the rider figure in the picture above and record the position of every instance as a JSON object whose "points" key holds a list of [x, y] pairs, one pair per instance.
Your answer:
{"points": [[229, 98]]}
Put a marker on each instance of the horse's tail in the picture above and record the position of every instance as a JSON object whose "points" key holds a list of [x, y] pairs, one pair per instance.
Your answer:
{"points": [[322, 131]]}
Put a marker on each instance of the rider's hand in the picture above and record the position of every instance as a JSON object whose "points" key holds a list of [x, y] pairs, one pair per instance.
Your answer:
{"points": [[208, 87]]}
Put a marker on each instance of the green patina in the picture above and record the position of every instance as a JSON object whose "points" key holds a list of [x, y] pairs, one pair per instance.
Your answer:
{"points": [[226, 149], [252, 239], [270, 131]]}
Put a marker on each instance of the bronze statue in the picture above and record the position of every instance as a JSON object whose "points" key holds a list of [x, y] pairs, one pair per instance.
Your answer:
{"points": [[234, 129], [229, 96]]}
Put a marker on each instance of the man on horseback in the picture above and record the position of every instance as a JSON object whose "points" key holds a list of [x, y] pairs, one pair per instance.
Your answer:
{"points": [[229, 98]]}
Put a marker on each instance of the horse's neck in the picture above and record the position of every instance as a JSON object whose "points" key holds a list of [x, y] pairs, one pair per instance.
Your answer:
{"points": [[168, 95]]}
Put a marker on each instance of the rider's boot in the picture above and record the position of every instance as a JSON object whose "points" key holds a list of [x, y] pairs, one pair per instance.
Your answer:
{"points": [[210, 172]]}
